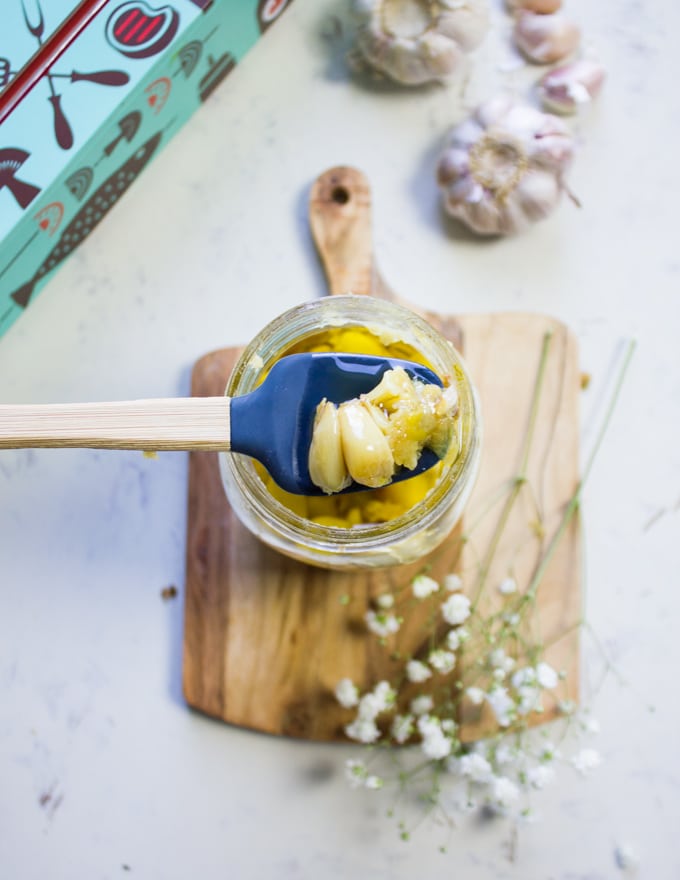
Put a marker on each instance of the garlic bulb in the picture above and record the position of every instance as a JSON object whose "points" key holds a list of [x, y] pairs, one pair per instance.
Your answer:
{"points": [[567, 88], [503, 168], [545, 39], [417, 41], [542, 7]]}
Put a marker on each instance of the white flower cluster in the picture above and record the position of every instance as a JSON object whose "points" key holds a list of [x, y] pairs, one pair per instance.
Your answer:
{"points": [[499, 773], [372, 704]]}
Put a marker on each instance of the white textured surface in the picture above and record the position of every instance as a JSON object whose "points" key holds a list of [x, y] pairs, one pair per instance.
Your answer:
{"points": [[208, 246]]}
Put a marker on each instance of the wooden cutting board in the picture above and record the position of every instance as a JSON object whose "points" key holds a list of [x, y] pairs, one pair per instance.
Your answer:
{"points": [[267, 638]]}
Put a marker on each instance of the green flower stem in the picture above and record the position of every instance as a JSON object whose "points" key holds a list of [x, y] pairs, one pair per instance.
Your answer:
{"points": [[575, 499], [520, 479]]}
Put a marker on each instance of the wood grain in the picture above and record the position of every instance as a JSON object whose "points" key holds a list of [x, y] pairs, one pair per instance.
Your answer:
{"points": [[267, 638]]}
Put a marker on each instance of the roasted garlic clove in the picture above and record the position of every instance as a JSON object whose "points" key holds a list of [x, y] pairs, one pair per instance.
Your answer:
{"points": [[326, 460], [566, 89], [367, 453], [504, 168], [396, 385], [418, 41], [545, 39]]}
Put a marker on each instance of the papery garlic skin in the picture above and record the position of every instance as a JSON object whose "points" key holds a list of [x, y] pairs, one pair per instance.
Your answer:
{"points": [[545, 39], [566, 89], [503, 168], [419, 41], [542, 7]]}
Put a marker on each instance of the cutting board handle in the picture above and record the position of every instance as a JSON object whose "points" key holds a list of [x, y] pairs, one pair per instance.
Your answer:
{"points": [[340, 220]]}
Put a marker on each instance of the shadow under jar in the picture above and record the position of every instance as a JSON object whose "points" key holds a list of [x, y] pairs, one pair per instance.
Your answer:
{"points": [[375, 528]]}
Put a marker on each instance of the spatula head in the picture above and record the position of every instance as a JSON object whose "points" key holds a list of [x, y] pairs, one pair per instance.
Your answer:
{"points": [[274, 423]]}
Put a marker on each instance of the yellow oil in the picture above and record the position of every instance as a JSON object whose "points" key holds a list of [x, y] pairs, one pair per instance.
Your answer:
{"points": [[374, 505]]}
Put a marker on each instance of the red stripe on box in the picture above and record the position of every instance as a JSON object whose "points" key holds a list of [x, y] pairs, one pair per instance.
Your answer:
{"points": [[147, 30], [126, 21], [51, 50], [127, 38]]}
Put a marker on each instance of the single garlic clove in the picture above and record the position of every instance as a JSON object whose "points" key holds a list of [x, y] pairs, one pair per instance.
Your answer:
{"points": [[367, 453], [439, 55], [542, 7], [326, 461], [454, 164], [466, 24], [545, 39], [537, 194], [394, 387], [566, 89]]}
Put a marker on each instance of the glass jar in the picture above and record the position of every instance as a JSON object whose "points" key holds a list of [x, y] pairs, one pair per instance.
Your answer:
{"points": [[410, 535]]}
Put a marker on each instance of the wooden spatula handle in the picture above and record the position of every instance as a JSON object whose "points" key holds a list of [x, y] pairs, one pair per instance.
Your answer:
{"points": [[174, 424], [340, 220]]}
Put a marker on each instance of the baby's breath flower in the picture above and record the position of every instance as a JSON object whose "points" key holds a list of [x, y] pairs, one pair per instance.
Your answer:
{"points": [[370, 707], [475, 695], [591, 725], [417, 671], [421, 705], [385, 601], [548, 752], [500, 660], [442, 661], [528, 699], [453, 639], [586, 760], [456, 609], [546, 676], [347, 693], [355, 772], [380, 699], [380, 623], [524, 676], [449, 725], [507, 586], [502, 705], [373, 782], [402, 728], [504, 755], [363, 730], [476, 768], [453, 583], [567, 707], [512, 619], [504, 792], [424, 586], [435, 745], [463, 634], [540, 776]]}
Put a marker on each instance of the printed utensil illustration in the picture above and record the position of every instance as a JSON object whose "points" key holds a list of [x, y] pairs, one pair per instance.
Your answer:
{"points": [[273, 423], [89, 215], [101, 77], [62, 128]]}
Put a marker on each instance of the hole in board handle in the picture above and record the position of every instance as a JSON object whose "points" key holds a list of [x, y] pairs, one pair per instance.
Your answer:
{"points": [[340, 195]]}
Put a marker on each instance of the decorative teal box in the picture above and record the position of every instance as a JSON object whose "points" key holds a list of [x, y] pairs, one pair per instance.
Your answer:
{"points": [[96, 118]]}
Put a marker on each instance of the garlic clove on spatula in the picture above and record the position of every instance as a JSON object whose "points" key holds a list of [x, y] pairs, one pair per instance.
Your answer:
{"points": [[418, 41], [503, 168], [568, 88]]}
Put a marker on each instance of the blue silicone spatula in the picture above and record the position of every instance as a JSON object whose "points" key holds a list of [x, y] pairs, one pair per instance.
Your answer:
{"points": [[273, 423]]}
